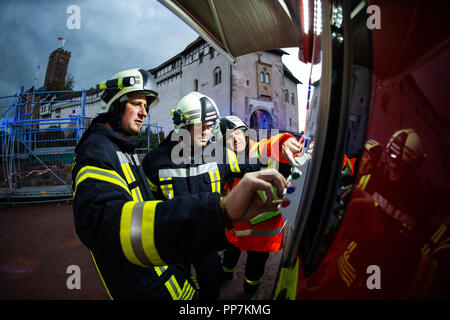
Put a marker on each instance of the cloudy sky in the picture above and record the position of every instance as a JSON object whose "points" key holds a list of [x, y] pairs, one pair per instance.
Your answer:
{"points": [[113, 36]]}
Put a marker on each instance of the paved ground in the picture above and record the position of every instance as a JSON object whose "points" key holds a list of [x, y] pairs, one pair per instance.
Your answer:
{"points": [[38, 243]]}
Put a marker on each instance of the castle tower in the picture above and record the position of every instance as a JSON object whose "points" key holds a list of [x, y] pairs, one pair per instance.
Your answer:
{"points": [[58, 63]]}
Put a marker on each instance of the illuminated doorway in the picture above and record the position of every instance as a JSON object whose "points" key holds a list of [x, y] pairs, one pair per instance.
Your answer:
{"points": [[261, 119]]}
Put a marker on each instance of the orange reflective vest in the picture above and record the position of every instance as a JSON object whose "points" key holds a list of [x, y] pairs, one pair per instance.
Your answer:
{"points": [[266, 236], [270, 148]]}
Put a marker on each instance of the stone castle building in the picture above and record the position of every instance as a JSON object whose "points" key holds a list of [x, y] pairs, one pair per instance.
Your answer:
{"points": [[260, 90]]}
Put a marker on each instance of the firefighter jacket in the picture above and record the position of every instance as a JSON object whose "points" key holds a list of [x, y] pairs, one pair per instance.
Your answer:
{"points": [[202, 173], [138, 243], [266, 236]]}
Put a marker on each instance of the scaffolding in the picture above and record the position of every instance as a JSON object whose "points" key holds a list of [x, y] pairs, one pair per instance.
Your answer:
{"points": [[38, 143]]}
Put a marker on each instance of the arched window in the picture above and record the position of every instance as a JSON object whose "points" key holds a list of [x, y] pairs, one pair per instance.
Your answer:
{"points": [[195, 85], [286, 95], [293, 98], [261, 77], [217, 76], [267, 78]]}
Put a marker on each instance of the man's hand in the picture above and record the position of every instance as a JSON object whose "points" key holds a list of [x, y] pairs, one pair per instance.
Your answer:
{"points": [[289, 148], [244, 202]]}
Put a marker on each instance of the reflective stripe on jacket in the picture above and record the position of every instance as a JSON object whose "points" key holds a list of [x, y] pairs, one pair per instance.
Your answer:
{"points": [[266, 236], [134, 243], [170, 180]]}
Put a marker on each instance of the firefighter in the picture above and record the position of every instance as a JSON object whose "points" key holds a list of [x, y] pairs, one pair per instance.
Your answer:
{"points": [[193, 118], [198, 172], [371, 162], [372, 158], [265, 237], [137, 242]]}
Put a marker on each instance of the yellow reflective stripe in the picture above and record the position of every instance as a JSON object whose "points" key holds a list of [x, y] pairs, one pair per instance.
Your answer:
{"points": [[213, 182], [188, 291], [126, 173], [174, 288], [134, 195], [139, 194], [137, 233], [217, 181], [167, 189], [148, 233], [438, 234], [160, 270], [364, 180], [101, 277], [127, 165], [232, 158], [225, 269], [153, 186], [125, 233], [129, 176], [252, 282], [443, 245], [101, 174]]}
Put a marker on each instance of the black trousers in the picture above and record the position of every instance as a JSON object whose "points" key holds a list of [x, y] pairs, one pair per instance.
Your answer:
{"points": [[209, 276], [255, 264]]}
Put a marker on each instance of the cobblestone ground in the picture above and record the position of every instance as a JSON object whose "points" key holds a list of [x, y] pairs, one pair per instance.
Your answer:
{"points": [[38, 243]]}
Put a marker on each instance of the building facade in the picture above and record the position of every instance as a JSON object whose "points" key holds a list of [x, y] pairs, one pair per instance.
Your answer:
{"points": [[260, 90]]}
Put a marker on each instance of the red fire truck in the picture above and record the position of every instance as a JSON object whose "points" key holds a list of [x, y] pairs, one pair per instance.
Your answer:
{"points": [[380, 96]]}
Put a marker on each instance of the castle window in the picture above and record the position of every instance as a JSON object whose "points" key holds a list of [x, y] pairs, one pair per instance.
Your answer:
{"points": [[293, 98], [195, 85], [267, 78], [217, 76], [286, 95], [261, 77]]}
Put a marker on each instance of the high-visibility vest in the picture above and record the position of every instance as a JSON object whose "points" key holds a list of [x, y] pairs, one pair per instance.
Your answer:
{"points": [[266, 236]]}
